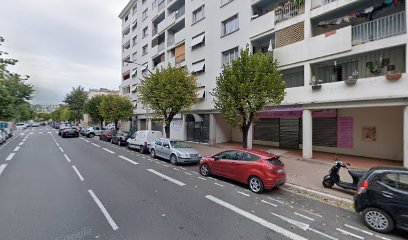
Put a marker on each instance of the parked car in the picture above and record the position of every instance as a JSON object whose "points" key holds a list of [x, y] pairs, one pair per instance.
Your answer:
{"points": [[106, 135], [94, 131], [21, 126], [260, 170], [3, 136], [35, 124], [63, 127], [176, 151], [120, 138], [70, 132], [142, 140], [382, 199]]}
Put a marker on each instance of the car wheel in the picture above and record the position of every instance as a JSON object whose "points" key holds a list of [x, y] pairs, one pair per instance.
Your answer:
{"points": [[255, 184], [378, 220], [205, 170], [141, 149], [327, 183], [153, 153], [173, 159], [91, 135]]}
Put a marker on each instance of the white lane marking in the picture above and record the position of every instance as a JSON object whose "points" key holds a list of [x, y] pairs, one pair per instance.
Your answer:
{"points": [[77, 172], [301, 225], [24, 139], [243, 193], [381, 237], [86, 140], [349, 233], [16, 149], [202, 178], [10, 156], [323, 234], [104, 211], [21, 143], [167, 177], [96, 145], [366, 232], [109, 151], [219, 184], [176, 169], [182, 168], [2, 167], [66, 157], [196, 173], [256, 219], [57, 144], [188, 173], [40, 132], [127, 159], [60, 148], [345, 200], [312, 213], [269, 203], [48, 132], [303, 216], [276, 200]]}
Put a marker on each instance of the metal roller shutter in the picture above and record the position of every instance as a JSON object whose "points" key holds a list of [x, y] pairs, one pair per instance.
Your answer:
{"points": [[325, 132], [267, 129], [289, 133]]}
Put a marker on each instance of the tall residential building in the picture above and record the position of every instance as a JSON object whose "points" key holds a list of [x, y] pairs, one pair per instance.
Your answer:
{"points": [[86, 121], [344, 63]]}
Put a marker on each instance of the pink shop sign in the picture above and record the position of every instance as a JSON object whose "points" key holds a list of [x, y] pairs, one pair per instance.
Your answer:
{"points": [[296, 113], [345, 132]]}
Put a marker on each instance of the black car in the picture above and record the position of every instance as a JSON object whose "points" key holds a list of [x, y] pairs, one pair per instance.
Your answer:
{"points": [[120, 138], [69, 132], [382, 198]]}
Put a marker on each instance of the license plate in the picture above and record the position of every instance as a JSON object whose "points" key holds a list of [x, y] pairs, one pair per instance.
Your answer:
{"points": [[280, 170]]}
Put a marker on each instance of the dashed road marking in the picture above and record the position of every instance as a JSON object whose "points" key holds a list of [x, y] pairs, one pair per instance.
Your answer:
{"points": [[166, 177], [21, 143], [188, 173], [16, 149], [269, 203], [60, 148], [219, 184], [77, 172], [104, 211], [2, 167], [202, 178], [349, 233], [276, 200], [303, 216], [109, 151], [66, 157], [10, 156], [247, 195], [312, 213], [96, 145], [129, 160]]}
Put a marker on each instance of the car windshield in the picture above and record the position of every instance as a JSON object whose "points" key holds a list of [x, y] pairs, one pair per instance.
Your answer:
{"points": [[179, 144]]}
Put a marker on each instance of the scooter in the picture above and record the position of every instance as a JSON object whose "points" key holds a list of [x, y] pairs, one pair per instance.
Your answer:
{"points": [[334, 177]]}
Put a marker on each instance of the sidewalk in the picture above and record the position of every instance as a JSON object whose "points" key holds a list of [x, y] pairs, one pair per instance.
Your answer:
{"points": [[307, 173]]}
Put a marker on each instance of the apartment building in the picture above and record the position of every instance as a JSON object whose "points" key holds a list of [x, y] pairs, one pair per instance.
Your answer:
{"points": [[344, 62], [86, 120]]}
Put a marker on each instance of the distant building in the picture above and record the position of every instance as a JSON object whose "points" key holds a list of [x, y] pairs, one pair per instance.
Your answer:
{"points": [[38, 108], [95, 92]]}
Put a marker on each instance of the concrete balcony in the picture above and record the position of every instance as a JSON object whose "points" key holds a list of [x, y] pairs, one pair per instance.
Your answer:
{"points": [[262, 24], [163, 25], [320, 7], [365, 89], [180, 36], [329, 43]]}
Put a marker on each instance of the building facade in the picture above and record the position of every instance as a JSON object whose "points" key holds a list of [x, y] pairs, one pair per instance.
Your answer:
{"points": [[86, 121], [344, 63]]}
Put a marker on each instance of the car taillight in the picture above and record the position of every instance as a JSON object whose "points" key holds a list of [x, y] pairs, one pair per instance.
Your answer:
{"points": [[77, 131], [65, 131], [363, 187], [145, 143]]}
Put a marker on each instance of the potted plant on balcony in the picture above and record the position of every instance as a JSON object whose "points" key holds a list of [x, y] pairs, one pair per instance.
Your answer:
{"points": [[352, 80], [391, 75], [316, 84]]}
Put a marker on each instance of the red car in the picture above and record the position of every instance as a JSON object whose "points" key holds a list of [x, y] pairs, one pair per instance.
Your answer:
{"points": [[106, 135], [260, 170]]}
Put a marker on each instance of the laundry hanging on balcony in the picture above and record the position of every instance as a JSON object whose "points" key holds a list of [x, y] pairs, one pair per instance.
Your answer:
{"points": [[365, 13]]}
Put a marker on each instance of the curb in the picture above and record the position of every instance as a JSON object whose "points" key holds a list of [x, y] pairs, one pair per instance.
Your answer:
{"points": [[322, 194]]}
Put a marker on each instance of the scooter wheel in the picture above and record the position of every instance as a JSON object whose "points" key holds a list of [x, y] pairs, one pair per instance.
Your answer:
{"points": [[328, 183]]}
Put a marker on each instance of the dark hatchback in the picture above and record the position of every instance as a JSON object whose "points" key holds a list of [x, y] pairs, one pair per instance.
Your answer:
{"points": [[69, 132], [382, 199], [120, 138]]}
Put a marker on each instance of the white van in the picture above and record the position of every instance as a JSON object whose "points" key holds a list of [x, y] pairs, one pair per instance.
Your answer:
{"points": [[142, 140], [21, 126]]}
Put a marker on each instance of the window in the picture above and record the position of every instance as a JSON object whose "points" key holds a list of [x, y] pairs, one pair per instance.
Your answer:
{"points": [[126, 18], [134, 56], [134, 9], [145, 69], [158, 142], [244, 156], [230, 25], [225, 2], [390, 180], [143, 1], [134, 40], [403, 182], [145, 31], [145, 50], [198, 41], [144, 14], [198, 14], [126, 90], [198, 67], [228, 155], [134, 25], [293, 77], [134, 72], [229, 56]]}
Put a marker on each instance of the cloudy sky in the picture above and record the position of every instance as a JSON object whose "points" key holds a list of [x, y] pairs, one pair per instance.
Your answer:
{"points": [[63, 43]]}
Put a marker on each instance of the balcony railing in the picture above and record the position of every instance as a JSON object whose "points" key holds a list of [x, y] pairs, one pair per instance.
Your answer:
{"points": [[161, 47], [180, 12], [319, 3], [170, 40], [384, 27], [161, 6], [287, 11]]}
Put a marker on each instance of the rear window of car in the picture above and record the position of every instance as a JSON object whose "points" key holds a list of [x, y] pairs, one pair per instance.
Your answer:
{"points": [[403, 182], [390, 180], [244, 156]]}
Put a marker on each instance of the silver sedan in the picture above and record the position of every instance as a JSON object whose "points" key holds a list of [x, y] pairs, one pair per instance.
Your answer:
{"points": [[176, 151]]}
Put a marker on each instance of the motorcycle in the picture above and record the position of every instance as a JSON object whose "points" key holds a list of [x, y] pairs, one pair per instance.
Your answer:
{"points": [[334, 178]]}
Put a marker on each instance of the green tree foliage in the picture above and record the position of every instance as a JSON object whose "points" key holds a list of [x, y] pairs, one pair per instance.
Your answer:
{"points": [[92, 108], [62, 113], [245, 87], [14, 92], [76, 102], [167, 92], [43, 116], [115, 107]]}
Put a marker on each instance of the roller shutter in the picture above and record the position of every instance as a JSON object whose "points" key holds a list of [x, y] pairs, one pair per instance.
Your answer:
{"points": [[325, 132], [289, 133], [267, 129]]}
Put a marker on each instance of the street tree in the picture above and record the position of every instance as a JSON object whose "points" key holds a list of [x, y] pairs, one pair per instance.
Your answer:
{"points": [[115, 108], [15, 92], [245, 87], [167, 92], [75, 100], [92, 108]]}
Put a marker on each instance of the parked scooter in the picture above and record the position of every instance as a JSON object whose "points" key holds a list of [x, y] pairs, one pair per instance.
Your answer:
{"points": [[334, 177]]}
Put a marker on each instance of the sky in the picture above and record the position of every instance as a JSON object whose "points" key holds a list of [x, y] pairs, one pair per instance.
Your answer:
{"points": [[62, 44]]}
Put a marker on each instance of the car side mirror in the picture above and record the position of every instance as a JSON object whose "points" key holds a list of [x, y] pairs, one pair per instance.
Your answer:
{"points": [[166, 146]]}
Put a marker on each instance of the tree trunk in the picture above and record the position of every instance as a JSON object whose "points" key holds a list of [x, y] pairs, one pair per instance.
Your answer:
{"points": [[101, 122], [245, 130], [116, 125], [167, 130]]}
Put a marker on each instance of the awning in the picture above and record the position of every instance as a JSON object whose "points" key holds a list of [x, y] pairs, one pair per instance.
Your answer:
{"points": [[144, 67], [134, 71], [198, 67], [197, 40], [133, 88], [200, 92], [197, 118]]}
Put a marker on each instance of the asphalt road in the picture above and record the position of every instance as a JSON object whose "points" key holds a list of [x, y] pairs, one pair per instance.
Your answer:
{"points": [[55, 188]]}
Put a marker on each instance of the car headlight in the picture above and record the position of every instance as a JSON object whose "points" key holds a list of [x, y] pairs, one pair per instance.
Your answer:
{"points": [[184, 155], [199, 155]]}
